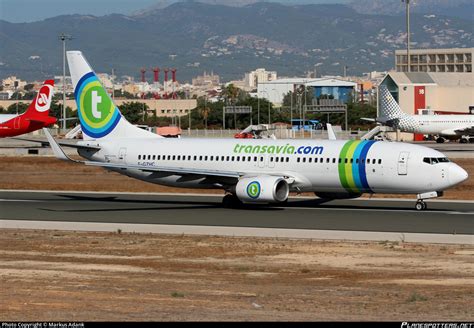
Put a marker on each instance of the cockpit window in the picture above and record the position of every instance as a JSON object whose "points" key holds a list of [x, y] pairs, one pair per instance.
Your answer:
{"points": [[435, 160]]}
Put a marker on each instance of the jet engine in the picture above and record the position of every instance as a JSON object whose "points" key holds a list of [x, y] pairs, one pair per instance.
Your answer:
{"points": [[262, 189]]}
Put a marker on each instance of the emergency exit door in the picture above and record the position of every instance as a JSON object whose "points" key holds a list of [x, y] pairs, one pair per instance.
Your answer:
{"points": [[403, 163]]}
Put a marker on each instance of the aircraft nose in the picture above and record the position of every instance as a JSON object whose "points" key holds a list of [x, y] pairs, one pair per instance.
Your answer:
{"points": [[457, 174]]}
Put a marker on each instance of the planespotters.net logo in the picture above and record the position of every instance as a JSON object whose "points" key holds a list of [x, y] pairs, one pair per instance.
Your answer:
{"points": [[253, 189]]}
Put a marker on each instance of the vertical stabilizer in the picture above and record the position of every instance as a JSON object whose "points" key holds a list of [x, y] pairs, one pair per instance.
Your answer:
{"points": [[98, 115], [392, 113], [389, 108], [39, 107]]}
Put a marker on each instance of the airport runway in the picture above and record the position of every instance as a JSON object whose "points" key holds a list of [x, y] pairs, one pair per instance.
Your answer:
{"points": [[442, 217]]}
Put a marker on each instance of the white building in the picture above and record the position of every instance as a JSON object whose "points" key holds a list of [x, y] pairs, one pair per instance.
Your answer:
{"points": [[276, 90], [260, 75]]}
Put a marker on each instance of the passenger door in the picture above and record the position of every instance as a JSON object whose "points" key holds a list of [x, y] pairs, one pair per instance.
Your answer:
{"points": [[403, 163], [122, 156]]}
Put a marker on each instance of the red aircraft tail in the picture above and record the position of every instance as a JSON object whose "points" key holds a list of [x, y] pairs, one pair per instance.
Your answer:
{"points": [[39, 108]]}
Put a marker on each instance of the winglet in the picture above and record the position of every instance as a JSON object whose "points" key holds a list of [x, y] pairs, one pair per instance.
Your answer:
{"points": [[331, 134], [57, 150]]}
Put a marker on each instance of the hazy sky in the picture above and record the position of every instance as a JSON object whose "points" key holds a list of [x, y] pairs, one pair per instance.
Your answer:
{"points": [[18, 11]]}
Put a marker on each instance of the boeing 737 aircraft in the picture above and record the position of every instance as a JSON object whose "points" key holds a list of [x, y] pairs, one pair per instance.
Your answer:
{"points": [[251, 171], [442, 126], [35, 117]]}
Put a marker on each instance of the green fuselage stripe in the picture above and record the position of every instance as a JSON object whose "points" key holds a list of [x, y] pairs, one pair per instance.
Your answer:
{"points": [[348, 167], [341, 166]]}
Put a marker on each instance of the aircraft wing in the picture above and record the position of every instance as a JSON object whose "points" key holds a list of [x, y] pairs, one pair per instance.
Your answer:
{"points": [[65, 144], [465, 131], [171, 170], [384, 120]]}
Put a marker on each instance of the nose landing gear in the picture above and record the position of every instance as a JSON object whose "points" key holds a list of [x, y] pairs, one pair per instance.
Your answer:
{"points": [[420, 205]]}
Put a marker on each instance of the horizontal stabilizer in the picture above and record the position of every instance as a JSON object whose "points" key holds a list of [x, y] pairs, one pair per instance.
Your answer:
{"points": [[57, 150]]}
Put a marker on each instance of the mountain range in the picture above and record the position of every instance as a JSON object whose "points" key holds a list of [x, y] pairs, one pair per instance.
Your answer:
{"points": [[196, 37]]}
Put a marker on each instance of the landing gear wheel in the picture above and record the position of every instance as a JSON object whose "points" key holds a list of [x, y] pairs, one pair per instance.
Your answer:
{"points": [[420, 205], [231, 201], [440, 140]]}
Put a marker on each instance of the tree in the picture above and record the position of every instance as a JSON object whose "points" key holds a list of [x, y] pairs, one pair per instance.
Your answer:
{"points": [[12, 109], [135, 112], [29, 87]]}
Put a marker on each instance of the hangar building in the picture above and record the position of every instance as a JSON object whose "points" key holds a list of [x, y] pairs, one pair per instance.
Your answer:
{"points": [[276, 90]]}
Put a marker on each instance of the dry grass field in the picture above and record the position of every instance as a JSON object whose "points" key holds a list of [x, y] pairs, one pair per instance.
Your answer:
{"points": [[56, 275]]}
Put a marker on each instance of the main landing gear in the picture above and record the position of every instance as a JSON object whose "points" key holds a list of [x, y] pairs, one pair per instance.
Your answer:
{"points": [[231, 201]]}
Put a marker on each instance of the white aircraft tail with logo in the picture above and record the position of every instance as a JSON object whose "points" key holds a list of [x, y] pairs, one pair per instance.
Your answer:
{"points": [[100, 118], [389, 108]]}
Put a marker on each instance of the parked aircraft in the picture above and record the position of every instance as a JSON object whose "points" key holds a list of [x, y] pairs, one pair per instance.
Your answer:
{"points": [[441, 126], [251, 170], [35, 117]]}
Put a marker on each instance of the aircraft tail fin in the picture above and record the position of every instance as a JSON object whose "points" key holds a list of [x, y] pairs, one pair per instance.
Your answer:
{"points": [[39, 107], [99, 117], [389, 108]]}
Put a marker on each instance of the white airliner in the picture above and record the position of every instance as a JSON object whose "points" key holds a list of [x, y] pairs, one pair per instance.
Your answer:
{"points": [[442, 126], [251, 171]]}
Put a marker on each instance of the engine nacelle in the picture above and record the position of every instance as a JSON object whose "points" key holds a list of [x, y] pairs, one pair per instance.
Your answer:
{"points": [[337, 195], [262, 189]]}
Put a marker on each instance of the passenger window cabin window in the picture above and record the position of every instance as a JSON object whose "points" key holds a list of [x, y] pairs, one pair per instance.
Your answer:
{"points": [[373, 161], [357, 161], [232, 158], [249, 158], [380, 161], [340, 160], [212, 158], [255, 158], [261, 159], [298, 160], [149, 157], [174, 157], [205, 158], [139, 157], [243, 158], [287, 159], [227, 158], [310, 160], [179, 157], [304, 159], [200, 158]]}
